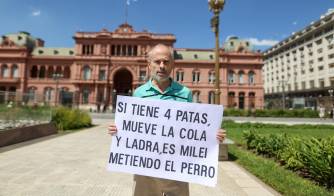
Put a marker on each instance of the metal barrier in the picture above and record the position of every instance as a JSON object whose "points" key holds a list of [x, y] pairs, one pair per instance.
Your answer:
{"points": [[23, 109]]}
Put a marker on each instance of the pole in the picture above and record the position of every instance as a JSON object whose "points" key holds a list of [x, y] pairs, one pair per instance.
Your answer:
{"points": [[217, 90]]}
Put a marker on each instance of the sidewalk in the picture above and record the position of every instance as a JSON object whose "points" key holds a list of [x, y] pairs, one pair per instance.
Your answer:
{"points": [[287, 121], [75, 164]]}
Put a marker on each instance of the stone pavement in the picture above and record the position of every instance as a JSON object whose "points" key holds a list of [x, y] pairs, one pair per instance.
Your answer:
{"points": [[75, 164]]}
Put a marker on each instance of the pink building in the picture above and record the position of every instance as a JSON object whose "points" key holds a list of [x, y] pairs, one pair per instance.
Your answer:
{"points": [[103, 64]]}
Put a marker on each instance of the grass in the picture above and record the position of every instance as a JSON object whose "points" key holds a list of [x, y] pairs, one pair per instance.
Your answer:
{"points": [[318, 131], [270, 172], [284, 181]]}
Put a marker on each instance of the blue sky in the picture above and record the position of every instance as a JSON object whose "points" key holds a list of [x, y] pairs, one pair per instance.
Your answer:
{"points": [[262, 21]]}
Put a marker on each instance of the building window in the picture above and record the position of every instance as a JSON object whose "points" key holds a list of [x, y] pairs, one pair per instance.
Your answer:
{"points": [[179, 75], [33, 72], [251, 103], [296, 86], [196, 75], [211, 97], [87, 49], [241, 77], [135, 50], [196, 97], [230, 99], [311, 83], [102, 75], [15, 71], [331, 65], [321, 83], [212, 77], [142, 75], [86, 72], [67, 72], [42, 72], [320, 68], [331, 81], [251, 79], [4, 71], [331, 56], [48, 94], [31, 93], [303, 85], [85, 95], [230, 77]]}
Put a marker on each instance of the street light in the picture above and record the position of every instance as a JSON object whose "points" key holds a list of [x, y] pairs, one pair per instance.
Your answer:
{"points": [[57, 76], [283, 83], [216, 6]]}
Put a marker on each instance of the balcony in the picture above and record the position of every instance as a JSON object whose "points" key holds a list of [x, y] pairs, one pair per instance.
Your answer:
{"points": [[9, 80]]}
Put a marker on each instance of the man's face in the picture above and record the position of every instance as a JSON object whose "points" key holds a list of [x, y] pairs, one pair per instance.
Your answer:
{"points": [[161, 64]]}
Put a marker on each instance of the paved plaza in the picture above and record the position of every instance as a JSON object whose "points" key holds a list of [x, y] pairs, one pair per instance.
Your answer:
{"points": [[75, 164]]}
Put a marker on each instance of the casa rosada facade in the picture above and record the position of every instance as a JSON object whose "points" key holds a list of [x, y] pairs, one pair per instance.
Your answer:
{"points": [[104, 64]]}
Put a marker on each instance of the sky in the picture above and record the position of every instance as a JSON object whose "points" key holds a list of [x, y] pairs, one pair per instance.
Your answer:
{"points": [[263, 22]]}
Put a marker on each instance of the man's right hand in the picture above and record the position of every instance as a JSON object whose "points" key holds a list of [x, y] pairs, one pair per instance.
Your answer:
{"points": [[112, 130]]}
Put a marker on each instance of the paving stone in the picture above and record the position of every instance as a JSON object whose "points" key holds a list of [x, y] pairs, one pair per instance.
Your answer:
{"points": [[76, 164]]}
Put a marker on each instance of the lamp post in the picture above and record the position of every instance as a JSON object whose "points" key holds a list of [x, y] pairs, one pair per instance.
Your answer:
{"points": [[283, 83], [57, 76], [216, 6]]}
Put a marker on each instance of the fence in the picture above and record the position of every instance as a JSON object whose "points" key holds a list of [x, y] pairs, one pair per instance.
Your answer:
{"points": [[22, 109]]}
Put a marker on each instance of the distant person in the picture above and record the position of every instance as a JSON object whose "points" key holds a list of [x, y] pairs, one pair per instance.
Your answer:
{"points": [[162, 86]]}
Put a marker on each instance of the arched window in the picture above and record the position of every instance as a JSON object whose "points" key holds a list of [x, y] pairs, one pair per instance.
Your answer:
{"points": [[58, 70], [196, 97], [251, 77], [67, 72], [33, 72], [241, 77], [48, 94], [15, 71], [31, 93], [212, 77], [86, 72], [179, 75], [50, 72], [230, 99], [4, 71], [196, 76], [211, 97], [42, 72], [85, 95], [230, 77], [251, 99]]}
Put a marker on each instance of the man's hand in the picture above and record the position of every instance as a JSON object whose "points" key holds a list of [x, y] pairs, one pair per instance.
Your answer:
{"points": [[221, 134], [112, 130]]}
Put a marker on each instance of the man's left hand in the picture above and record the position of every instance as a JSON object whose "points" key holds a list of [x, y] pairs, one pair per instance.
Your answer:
{"points": [[221, 134]]}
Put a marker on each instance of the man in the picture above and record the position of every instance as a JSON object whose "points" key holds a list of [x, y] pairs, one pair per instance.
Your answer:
{"points": [[161, 86]]}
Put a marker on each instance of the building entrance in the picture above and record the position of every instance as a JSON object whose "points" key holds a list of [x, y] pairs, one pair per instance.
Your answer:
{"points": [[122, 84]]}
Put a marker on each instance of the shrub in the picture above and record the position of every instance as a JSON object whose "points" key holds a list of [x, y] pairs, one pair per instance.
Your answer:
{"points": [[66, 118], [304, 113], [314, 157]]}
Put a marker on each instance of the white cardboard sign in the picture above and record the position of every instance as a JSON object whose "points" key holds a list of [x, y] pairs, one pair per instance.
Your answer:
{"points": [[166, 139]]}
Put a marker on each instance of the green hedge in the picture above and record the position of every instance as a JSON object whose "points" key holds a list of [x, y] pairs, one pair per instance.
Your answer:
{"points": [[66, 118], [301, 113], [311, 157]]}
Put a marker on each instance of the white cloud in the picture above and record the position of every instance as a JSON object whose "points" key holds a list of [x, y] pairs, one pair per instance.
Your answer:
{"points": [[36, 12], [263, 42]]}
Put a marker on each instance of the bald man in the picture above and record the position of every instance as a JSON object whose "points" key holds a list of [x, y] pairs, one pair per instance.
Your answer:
{"points": [[161, 86]]}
